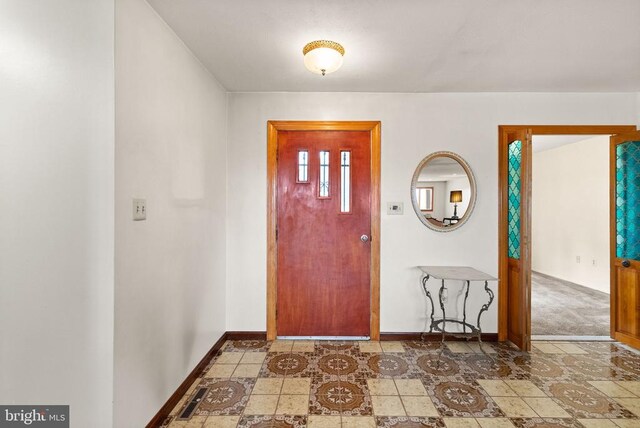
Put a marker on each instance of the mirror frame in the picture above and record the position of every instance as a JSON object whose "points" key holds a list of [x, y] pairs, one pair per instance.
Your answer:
{"points": [[472, 187]]}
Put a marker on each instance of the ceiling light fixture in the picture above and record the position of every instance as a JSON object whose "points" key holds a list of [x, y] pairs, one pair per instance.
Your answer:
{"points": [[323, 56]]}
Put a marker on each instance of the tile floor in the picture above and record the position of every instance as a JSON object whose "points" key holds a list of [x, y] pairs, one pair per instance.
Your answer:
{"points": [[323, 384]]}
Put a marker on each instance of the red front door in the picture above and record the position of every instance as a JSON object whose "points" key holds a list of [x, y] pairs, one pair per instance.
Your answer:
{"points": [[323, 233]]}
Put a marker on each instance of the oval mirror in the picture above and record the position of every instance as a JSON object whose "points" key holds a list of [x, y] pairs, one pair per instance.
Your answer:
{"points": [[443, 191]]}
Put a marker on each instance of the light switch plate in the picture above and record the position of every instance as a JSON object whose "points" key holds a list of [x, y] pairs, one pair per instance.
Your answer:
{"points": [[395, 208], [139, 209]]}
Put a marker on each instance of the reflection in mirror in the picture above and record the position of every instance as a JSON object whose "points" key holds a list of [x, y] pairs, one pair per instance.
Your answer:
{"points": [[443, 191]]}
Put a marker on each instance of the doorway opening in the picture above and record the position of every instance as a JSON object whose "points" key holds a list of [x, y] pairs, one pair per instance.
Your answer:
{"points": [[515, 228], [570, 275]]}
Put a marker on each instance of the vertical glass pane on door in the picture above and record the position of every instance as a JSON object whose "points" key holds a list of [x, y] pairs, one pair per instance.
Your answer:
{"points": [[303, 166], [324, 174], [628, 200], [514, 171], [345, 182]]}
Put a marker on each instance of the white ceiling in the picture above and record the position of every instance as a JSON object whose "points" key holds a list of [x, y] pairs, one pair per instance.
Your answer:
{"points": [[441, 169], [416, 45], [540, 143]]}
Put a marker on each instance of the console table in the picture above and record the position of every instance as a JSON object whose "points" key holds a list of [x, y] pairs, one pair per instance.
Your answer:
{"points": [[455, 273]]}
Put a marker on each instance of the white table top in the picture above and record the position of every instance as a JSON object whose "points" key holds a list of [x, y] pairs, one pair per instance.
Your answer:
{"points": [[460, 273]]}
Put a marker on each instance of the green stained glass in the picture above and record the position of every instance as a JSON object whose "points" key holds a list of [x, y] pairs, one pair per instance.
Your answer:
{"points": [[515, 161], [628, 200]]}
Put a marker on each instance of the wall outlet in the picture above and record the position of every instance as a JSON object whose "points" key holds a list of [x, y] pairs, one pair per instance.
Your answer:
{"points": [[139, 209], [593, 262], [577, 259], [395, 208]]}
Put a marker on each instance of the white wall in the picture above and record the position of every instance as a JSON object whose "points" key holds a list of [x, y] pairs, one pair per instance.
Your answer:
{"points": [[570, 212], [170, 269], [413, 125], [56, 206]]}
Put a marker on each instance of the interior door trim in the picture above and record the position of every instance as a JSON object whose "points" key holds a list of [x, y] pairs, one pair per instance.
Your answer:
{"points": [[503, 131], [273, 127]]}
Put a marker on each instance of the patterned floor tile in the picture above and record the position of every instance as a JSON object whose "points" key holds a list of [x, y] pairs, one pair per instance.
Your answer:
{"points": [[629, 363], [246, 346], [334, 398], [631, 404], [273, 422], [488, 367], [288, 364], [540, 367], [545, 423], [582, 400], [461, 399], [389, 366], [422, 346], [225, 397], [366, 384], [408, 422], [434, 365]]}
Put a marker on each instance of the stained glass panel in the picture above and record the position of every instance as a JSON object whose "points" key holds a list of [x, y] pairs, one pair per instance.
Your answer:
{"points": [[628, 200], [514, 169]]}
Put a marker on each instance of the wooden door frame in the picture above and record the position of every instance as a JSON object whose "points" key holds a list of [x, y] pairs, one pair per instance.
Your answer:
{"points": [[273, 127], [503, 202]]}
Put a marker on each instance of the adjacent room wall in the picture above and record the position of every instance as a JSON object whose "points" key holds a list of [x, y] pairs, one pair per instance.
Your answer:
{"points": [[457, 184], [56, 206], [570, 212], [438, 197], [170, 269], [413, 125]]}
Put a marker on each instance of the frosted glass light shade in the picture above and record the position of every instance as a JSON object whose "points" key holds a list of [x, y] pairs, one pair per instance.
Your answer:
{"points": [[323, 56]]}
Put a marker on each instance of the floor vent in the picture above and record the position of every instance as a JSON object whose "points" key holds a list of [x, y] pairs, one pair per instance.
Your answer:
{"points": [[186, 413]]}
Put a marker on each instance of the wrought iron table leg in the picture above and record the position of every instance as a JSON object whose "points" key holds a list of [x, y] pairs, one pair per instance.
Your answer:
{"points": [[430, 316], [464, 309], [444, 315], [484, 308]]}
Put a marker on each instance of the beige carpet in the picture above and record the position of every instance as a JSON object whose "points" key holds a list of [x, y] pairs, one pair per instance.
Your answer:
{"points": [[563, 308]]}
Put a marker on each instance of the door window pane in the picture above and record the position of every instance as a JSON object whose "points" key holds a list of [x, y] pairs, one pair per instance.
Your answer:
{"points": [[628, 200], [345, 182], [303, 166], [515, 161], [324, 174]]}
